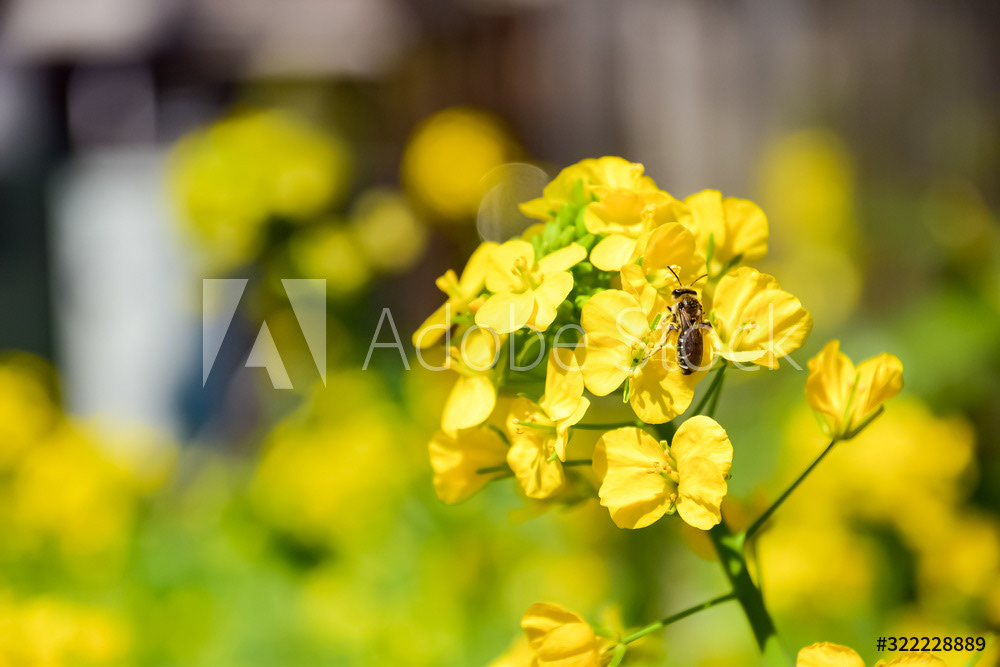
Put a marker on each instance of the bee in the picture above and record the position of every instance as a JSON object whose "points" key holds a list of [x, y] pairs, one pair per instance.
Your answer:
{"points": [[687, 317]]}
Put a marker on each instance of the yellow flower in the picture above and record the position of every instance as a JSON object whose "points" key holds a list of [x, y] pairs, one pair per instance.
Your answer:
{"points": [[560, 638], [843, 396], [668, 247], [526, 291], [834, 655], [626, 339], [330, 251], [228, 178], [828, 655], [462, 292], [457, 460], [447, 159], [756, 320], [539, 431], [623, 216], [589, 175], [26, 409], [737, 227], [474, 395], [641, 480], [387, 230], [519, 654]]}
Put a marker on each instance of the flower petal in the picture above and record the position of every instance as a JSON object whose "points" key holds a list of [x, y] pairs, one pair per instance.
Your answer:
{"points": [[629, 463], [746, 231], [616, 314], [501, 260], [828, 655], [879, 379], [560, 638], [562, 259], [469, 404], [552, 292], [607, 364], [660, 390], [703, 454], [474, 276], [828, 387], [563, 382], [455, 460], [612, 252], [506, 312], [434, 327], [672, 245]]}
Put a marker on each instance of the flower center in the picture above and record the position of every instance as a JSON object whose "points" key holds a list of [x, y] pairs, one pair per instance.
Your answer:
{"points": [[523, 272]]}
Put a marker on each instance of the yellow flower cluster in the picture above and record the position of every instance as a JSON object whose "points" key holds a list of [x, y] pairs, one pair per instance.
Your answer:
{"points": [[47, 632], [231, 177], [72, 498], [266, 184], [609, 285]]}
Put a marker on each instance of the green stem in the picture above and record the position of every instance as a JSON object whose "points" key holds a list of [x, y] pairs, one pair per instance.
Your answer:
{"points": [[730, 550], [714, 403], [714, 387], [577, 462], [503, 468], [759, 523], [653, 627]]}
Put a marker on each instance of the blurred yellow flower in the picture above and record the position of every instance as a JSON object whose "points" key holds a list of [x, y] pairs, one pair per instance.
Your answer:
{"points": [[66, 492], [561, 638], [229, 178], [626, 341], [390, 235], [518, 655], [828, 655], [332, 454], [756, 321], [458, 459], [330, 250], [526, 290], [835, 655], [461, 293], [26, 409], [641, 479], [48, 632], [448, 157], [539, 431], [474, 395], [734, 229], [594, 177], [813, 563], [843, 396]]}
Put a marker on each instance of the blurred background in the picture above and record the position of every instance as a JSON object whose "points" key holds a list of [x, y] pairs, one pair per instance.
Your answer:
{"points": [[150, 516]]}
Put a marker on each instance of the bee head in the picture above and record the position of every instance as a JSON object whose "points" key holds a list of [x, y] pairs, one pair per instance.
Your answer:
{"points": [[682, 291]]}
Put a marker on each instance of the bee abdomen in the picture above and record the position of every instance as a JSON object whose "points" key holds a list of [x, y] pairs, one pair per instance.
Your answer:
{"points": [[689, 349]]}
